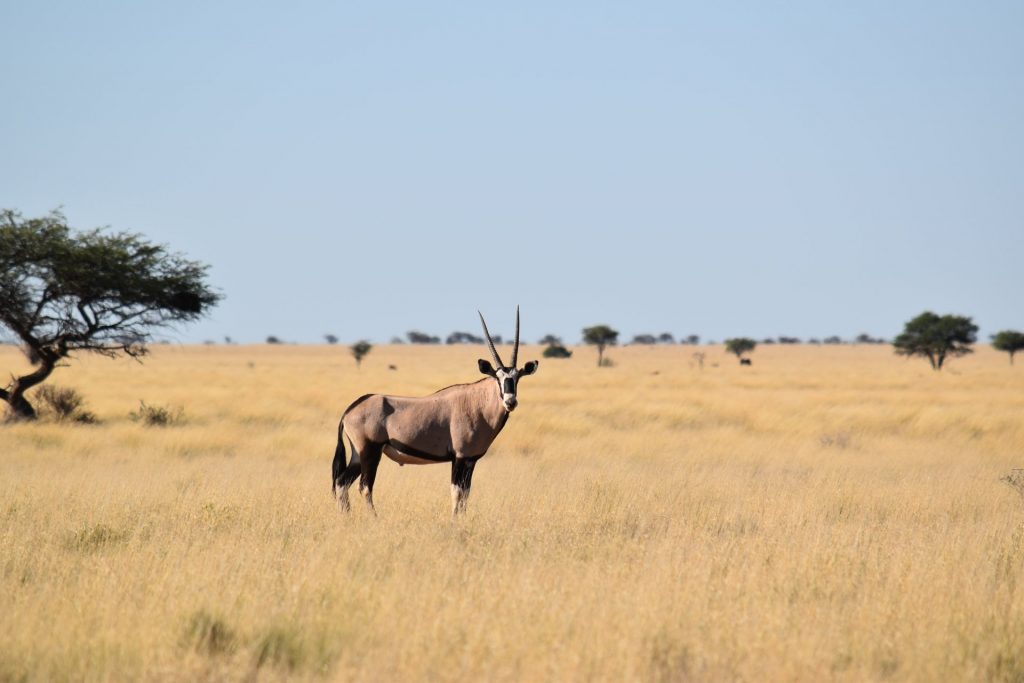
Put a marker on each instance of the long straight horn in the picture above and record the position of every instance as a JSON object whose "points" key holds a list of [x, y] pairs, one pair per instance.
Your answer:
{"points": [[490, 342], [515, 347]]}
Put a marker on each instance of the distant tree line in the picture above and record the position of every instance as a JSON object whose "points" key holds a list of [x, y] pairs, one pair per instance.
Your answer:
{"points": [[937, 338]]}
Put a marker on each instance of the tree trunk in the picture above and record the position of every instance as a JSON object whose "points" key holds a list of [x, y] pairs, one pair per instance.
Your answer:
{"points": [[600, 355], [1011, 357], [14, 394]]}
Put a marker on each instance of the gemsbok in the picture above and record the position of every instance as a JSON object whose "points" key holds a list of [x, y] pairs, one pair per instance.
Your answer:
{"points": [[455, 425]]}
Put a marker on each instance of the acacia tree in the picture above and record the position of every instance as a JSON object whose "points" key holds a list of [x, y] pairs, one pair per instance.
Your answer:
{"points": [[600, 336], [936, 337], [63, 291], [1010, 341], [740, 346], [359, 350]]}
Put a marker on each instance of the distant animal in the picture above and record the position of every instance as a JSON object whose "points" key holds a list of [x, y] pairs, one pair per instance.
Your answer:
{"points": [[392, 367], [746, 361], [456, 425]]}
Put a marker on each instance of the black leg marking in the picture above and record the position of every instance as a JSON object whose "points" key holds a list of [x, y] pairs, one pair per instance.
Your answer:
{"points": [[368, 463], [462, 480], [344, 479]]}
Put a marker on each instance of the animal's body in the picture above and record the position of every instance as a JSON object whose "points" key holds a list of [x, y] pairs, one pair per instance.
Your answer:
{"points": [[455, 425]]}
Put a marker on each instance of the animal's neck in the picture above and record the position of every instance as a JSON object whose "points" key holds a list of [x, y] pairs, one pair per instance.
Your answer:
{"points": [[491, 407]]}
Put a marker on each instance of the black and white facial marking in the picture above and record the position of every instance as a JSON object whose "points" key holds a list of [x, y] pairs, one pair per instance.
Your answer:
{"points": [[507, 376], [508, 380]]}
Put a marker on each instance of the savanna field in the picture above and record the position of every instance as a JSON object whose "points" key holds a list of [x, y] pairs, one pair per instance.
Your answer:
{"points": [[831, 513]]}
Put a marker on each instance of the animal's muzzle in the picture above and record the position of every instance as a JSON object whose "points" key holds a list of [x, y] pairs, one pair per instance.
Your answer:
{"points": [[510, 403]]}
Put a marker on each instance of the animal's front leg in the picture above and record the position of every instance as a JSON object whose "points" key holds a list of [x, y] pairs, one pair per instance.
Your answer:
{"points": [[462, 479]]}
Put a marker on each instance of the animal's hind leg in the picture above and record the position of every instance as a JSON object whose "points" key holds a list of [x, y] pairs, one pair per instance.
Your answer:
{"points": [[348, 476], [369, 461]]}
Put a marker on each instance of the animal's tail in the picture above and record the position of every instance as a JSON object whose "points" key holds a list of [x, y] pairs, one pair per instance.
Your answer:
{"points": [[339, 460]]}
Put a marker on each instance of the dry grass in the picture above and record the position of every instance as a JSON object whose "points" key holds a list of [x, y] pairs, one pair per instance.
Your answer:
{"points": [[829, 513]]}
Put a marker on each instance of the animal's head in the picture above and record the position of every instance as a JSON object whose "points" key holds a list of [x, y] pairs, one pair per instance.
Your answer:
{"points": [[507, 376]]}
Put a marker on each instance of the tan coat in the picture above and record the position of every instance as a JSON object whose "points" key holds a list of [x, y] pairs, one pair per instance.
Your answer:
{"points": [[460, 421]]}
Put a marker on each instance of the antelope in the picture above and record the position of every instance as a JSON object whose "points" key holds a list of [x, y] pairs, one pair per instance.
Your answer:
{"points": [[455, 425]]}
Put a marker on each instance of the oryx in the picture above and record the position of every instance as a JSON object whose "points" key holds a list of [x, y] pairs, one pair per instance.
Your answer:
{"points": [[456, 425]]}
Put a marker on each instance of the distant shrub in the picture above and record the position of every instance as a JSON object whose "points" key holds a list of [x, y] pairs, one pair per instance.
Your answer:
{"points": [[65, 404], [557, 351], [208, 634], [158, 416], [607, 363], [272, 339]]}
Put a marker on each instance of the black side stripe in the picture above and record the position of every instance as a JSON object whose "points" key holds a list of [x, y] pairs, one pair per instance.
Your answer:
{"points": [[417, 453]]}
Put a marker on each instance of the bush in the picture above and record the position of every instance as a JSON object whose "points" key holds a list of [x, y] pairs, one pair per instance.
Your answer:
{"points": [[557, 351], [157, 416], [65, 404]]}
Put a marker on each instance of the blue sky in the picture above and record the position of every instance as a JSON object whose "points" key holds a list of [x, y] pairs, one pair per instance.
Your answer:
{"points": [[368, 168]]}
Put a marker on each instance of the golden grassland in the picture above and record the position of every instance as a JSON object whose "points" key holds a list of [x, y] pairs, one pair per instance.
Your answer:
{"points": [[829, 513]]}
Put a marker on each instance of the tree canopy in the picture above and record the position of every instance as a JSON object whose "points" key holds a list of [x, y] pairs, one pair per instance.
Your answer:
{"points": [[936, 337], [1009, 341], [600, 336], [740, 346], [359, 351], [63, 291], [417, 337], [463, 338]]}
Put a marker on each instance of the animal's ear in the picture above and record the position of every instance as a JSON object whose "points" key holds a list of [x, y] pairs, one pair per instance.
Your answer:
{"points": [[529, 368], [485, 367]]}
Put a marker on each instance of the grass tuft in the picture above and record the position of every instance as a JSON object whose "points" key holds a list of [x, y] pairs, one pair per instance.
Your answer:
{"points": [[158, 416], [280, 646], [95, 537], [208, 634]]}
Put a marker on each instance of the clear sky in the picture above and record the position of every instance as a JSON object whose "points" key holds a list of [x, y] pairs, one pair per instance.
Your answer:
{"points": [[367, 168]]}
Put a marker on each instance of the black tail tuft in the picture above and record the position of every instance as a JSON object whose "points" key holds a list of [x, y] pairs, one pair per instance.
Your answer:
{"points": [[339, 463]]}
